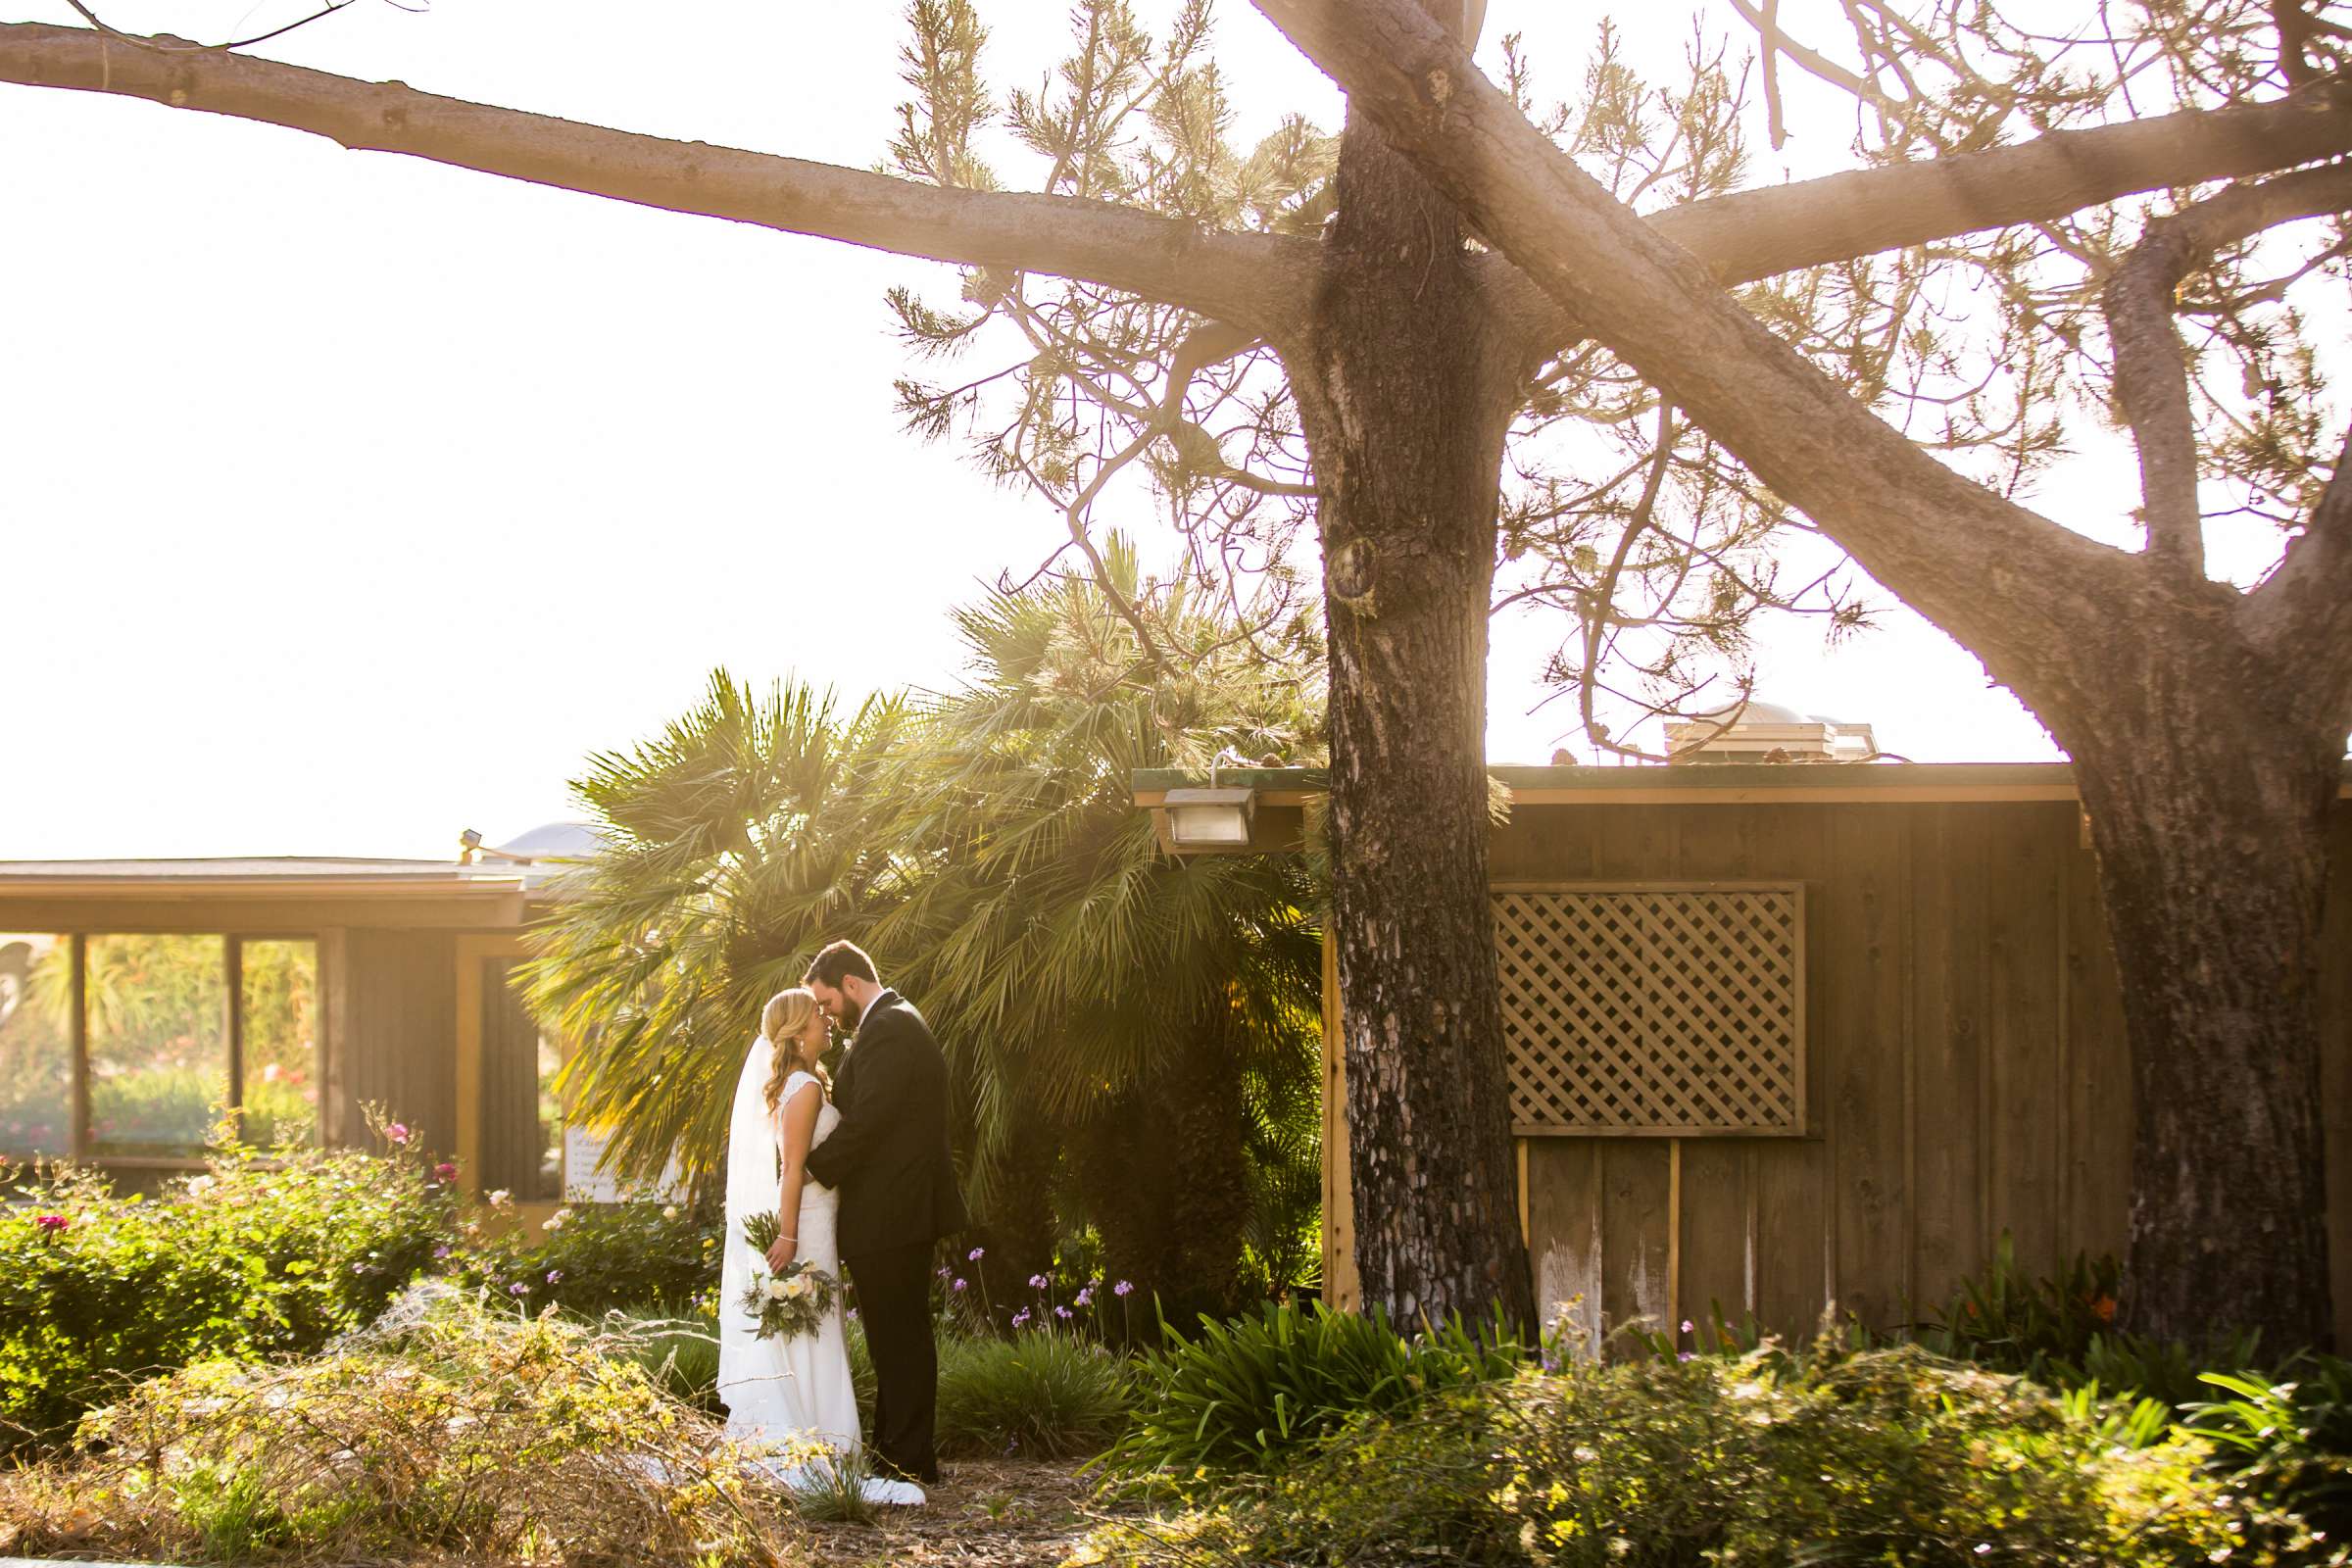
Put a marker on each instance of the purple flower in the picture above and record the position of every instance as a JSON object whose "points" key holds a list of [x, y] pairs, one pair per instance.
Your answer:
{"points": [[554, 1276], [1086, 1296], [1687, 1355], [946, 1273], [1038, 1282], [1687, 1326], [852, 1314], [958, 1286], [975, 1255], [440, 1252], [358, 1268], [51, 1223], [1062, 1311], [1122, 1289], [518, 1289], [1020, 1319]]}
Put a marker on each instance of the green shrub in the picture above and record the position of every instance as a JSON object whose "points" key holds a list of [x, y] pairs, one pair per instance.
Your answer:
{"points": [[1040, 1395], [261, 1255], [1247, 1396], [447, 1431], [2286, 1443], [1885, 1456], [599, 1257]]}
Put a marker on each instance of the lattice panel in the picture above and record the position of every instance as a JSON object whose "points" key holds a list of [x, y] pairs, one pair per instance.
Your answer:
{"points": [[1666, 1011]]}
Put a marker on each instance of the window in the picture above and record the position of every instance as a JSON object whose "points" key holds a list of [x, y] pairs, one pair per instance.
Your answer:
{"points": [[36, 1046], [150, 1019], [157, 1010], [1653, 1009], [279, 1040]]}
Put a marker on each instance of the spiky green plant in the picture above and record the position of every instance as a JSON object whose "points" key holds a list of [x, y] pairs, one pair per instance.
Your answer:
{"points": [[737, 842], [1161, 1013]]}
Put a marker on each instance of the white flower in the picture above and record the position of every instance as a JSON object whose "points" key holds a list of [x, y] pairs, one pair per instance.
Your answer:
{"points": [[671, 1212], [777, 1290], [798, 1287], [498, 1198]]}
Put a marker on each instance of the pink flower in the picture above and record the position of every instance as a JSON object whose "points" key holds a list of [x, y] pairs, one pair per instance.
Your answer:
{"points": [[975, 1255], [397, 1133], [958, 1286], [446, 1171], [554, 1276], [51, 1223]]}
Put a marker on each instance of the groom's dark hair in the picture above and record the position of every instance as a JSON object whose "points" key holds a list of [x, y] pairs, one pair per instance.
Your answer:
{"points": [[837, 960]]}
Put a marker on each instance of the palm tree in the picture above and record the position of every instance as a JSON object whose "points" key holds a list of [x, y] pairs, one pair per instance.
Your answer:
{"points": [[737, 843], [1143, 1027]]}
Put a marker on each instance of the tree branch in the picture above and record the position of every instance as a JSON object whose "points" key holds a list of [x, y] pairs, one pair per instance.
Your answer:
{"points": [[2010, 585], [2151, 373], [1755, 234], [2302, 613], [1256, 281]]}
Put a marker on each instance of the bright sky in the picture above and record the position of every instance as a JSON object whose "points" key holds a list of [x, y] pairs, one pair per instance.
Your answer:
{"points": [[352, 500]]}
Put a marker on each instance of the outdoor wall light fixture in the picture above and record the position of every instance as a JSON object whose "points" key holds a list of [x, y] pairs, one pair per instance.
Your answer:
{"points": [[1211, 818]]}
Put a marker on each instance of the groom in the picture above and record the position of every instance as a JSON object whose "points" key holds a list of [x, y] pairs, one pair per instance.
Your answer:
{"points": [[889, 1159]]}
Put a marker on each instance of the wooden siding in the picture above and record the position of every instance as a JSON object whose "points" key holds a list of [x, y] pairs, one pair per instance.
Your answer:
{"points": [[1966, 1070], [392, 1003]]}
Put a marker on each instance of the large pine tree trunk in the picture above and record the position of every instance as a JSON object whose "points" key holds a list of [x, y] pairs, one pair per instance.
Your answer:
{"points": [[1405, 405], [2210, 818]]}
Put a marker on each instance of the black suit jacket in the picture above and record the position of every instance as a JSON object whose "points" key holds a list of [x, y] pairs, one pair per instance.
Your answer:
{"points": [[888, 1157]]}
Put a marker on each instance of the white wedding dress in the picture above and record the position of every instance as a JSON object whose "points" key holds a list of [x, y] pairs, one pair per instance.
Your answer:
{"points": [[792, 1395]]}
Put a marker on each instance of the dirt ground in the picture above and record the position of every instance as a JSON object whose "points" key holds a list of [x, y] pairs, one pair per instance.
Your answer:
{"points": [[983, 1514]]}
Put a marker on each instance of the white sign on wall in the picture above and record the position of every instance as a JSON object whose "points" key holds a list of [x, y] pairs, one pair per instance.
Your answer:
{"points": [[583, 1183]]}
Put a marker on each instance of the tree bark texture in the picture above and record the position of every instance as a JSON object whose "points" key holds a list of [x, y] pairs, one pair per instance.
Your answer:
{"points": [[2208, 815], [1405, 405]]}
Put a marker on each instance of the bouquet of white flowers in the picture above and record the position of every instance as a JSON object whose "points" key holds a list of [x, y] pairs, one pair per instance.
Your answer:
{"points": [[789, 1305]]}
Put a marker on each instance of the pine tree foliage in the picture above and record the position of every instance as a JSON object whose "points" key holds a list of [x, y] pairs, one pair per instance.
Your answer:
{"points": [[1659, 551]]}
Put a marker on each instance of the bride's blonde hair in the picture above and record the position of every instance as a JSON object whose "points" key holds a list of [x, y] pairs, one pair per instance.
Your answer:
{"points": [[781, 1024]]}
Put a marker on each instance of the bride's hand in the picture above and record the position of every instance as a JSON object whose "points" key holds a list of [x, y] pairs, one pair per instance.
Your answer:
{"points": [[780, 1256]]}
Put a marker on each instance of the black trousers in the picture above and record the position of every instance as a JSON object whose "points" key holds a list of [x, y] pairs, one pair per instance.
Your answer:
{"points": [[894, 1305]]}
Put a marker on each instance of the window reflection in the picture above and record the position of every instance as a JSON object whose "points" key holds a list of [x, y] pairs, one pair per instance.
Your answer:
{"points": [[158, 1041], [281, 1038], [36, 1046]]}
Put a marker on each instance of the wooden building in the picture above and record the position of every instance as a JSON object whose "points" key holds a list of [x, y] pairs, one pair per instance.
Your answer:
{"points": [[135, 996], [1787, 1036]]}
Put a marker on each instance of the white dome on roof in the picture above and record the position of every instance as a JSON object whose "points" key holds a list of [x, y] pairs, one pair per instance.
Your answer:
{"points": [[558, 841], [1757, 711]]}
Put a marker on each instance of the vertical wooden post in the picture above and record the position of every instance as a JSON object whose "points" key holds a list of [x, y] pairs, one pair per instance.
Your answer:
{"points": [[1522, 1233], [335, 1036], [232, 1008], [80, 951]]}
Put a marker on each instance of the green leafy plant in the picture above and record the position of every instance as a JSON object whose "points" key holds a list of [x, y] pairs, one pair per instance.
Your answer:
{"points": [[261, 1255], [1040, 1395], [598, 1257], [1250, 1396], [1880, 1456], [444, 1430]]}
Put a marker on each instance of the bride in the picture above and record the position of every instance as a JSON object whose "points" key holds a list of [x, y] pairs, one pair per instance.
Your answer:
{"points": [[794, 1393]]}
